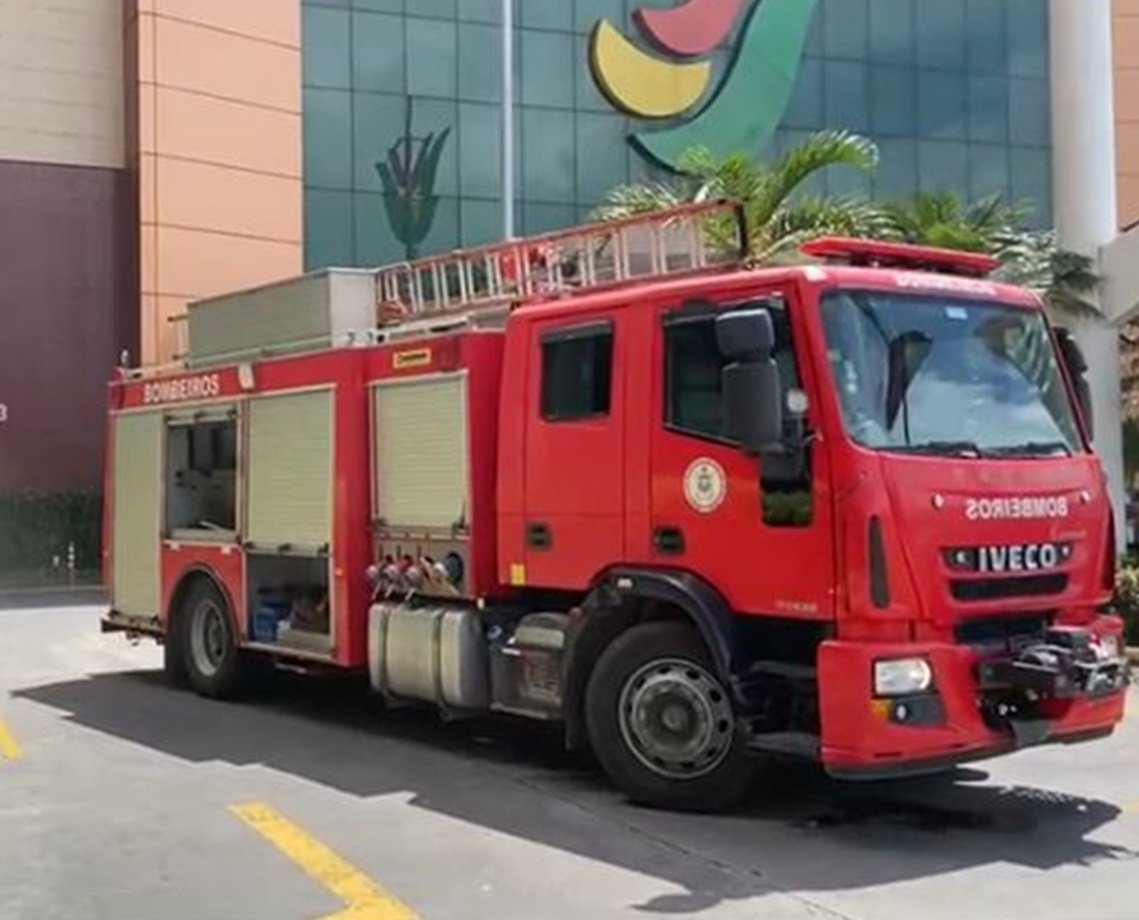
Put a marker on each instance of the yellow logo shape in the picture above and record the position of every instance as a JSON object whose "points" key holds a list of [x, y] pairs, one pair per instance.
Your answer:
{"points": [[641, 84]]}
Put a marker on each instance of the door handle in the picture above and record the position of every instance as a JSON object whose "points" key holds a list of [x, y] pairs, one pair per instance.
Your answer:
{"points": [[668, 541], [538, 536]]}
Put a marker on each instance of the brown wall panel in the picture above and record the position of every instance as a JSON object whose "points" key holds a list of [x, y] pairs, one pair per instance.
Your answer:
{"points": [[68, 306], [216, 133], [1126, 60]]}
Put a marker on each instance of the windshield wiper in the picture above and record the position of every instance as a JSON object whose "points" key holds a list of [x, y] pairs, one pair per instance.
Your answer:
{"points": [[940, 449], [1041, 449]]}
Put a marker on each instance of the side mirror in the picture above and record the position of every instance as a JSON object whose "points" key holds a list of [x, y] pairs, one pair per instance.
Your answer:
{"points": [[753, 404], [746, 335], [1077, 366]]}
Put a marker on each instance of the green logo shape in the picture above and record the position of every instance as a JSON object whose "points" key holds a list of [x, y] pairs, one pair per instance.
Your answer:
{"points": [[408, 176], [752, 99]]}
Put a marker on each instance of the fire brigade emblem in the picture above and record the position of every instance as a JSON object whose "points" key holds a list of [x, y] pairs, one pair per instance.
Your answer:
{"points": [[705, 485]]}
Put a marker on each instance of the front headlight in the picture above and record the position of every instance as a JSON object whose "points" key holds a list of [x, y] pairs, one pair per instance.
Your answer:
{"points": [[902, 676]]}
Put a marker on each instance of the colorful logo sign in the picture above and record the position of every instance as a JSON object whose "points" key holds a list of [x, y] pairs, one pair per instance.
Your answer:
{"points": [[672, 80]]}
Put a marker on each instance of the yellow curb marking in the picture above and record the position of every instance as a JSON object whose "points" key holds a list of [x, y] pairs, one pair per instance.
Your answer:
{"points": [[365, 899], [8, 746]]}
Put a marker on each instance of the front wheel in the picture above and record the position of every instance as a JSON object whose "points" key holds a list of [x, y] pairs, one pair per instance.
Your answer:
{"points": [[661, 723]]}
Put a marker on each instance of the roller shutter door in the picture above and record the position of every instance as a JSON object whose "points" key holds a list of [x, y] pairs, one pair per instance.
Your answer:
{"points": [[421, 468], [137, 517], [290, 470]]}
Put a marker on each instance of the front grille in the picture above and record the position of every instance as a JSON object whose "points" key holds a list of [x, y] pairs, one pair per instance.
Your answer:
{"points": [[996, 589], [1005, 632]]}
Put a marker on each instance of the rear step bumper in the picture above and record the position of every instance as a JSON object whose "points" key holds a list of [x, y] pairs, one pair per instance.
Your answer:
{"points": [[115, 622]]}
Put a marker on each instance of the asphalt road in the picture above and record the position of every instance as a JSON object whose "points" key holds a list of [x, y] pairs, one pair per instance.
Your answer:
{"points": [[121, 799]]}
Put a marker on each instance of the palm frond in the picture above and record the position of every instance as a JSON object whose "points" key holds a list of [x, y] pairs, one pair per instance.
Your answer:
{"points": [[777, 183], [630, 200], [994, 215], [1065, 280], [810, 218], [942, 219]]}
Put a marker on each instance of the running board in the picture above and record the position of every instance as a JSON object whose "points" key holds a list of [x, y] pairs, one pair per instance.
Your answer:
{"points": [[787, 744]]}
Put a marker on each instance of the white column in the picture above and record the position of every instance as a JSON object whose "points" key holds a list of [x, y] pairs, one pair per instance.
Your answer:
{"points": [[1084, 196]]}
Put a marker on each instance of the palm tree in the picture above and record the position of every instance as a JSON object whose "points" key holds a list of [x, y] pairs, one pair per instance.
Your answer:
{"points": [[780, 217], [1064, 280], [941, 219]]}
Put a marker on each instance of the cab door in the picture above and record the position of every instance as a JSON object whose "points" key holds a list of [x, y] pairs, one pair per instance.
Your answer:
{"points": [[574, 468], [767, 546]]}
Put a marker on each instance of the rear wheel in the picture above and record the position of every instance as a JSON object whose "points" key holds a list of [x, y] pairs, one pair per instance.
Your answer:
{"points": [[174, 651], [661, 723], [211, 654]]}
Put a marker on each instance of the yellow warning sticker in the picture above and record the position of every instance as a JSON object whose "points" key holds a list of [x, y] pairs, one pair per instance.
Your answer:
{"points": [[403, 360], [518, 575]]}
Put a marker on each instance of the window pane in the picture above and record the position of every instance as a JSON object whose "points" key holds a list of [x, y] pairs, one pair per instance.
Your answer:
{"points": [[201, 465], [377, 53], [432, 64], [894, 100], [694, 365], [846, 29], [326, 41], [695, 398], [847, 89], [943, 105], [577, 372]]}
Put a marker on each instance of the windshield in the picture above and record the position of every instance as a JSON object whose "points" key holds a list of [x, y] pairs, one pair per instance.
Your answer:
{"points": [[926, 375]]}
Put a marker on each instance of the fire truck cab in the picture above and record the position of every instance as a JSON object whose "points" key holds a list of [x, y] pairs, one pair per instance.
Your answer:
{"points": [[845, 510]]}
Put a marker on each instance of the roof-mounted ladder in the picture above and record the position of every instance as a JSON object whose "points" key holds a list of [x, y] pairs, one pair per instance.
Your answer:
{"points": [[470, 286], [474, 287]]}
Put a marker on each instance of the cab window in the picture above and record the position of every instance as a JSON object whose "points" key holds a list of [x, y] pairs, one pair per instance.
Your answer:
{"points": [[577, 373], [693, 364]]}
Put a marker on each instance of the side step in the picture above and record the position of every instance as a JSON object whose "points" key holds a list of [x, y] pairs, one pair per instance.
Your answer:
{"points": [[788, 744]]}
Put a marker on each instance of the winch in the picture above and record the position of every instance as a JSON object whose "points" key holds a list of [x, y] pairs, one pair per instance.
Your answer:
{"points": [[1068, 662]]}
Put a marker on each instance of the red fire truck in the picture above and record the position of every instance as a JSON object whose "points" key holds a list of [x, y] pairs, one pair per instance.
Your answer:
{"points": [[693, 510]]}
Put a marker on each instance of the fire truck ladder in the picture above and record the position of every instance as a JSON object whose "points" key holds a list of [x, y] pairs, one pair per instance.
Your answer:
{"points": [[480, 286]]}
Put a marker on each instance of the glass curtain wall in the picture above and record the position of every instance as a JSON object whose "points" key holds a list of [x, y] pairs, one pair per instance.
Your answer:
{"points": [[402, 108]]}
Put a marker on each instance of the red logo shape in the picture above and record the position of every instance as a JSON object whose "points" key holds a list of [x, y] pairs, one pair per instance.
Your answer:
{"points": [[692, 29]]}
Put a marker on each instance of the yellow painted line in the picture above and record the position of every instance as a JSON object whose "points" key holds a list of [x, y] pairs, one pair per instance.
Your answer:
{"points": [[9, 748], [365, 899]]}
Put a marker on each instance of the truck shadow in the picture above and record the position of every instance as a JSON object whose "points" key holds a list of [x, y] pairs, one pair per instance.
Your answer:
{"points": [[799, 834]]}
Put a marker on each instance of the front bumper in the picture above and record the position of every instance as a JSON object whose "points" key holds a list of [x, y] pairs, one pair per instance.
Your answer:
{"points": [[972, 711]]}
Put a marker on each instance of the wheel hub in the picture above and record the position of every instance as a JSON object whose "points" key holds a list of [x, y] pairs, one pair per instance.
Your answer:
{"points": [[676, 718], [208, 638]]}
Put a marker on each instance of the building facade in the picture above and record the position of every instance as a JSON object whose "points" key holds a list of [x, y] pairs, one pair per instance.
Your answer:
{"points": [[156, 151], [955, 93]]}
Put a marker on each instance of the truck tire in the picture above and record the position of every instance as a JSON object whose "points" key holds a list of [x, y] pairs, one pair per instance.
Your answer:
{"points": [[661, 723], [212, 656], [174, 652]]}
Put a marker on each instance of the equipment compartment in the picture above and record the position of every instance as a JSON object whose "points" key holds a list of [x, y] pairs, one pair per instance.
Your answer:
{"points": [[289, 602], [421, 466]]}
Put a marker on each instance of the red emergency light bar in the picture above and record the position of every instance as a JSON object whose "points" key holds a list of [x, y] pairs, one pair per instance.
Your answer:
{"points": [[877, 254]]}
